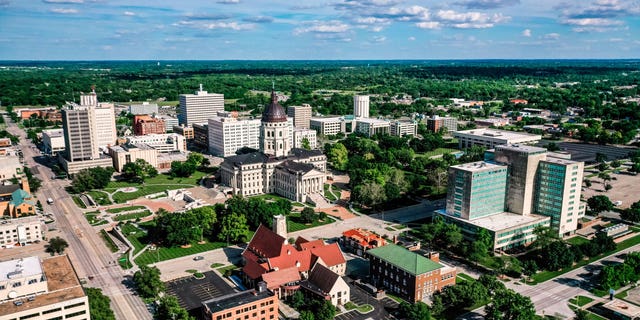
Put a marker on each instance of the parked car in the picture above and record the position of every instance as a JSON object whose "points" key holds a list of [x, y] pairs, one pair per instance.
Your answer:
{"points": [[198, 258]]}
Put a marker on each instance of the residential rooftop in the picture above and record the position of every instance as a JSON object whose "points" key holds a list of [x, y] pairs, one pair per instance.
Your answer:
{"points": [[404, 259]]}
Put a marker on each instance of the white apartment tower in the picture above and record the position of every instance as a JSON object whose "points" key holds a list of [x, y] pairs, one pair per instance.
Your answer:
{"points": [[275, 130], [227, 135], [361, 106], [199, 107]]}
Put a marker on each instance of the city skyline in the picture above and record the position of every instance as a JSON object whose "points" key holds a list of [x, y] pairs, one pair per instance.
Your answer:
{"points": [[323, 30]]}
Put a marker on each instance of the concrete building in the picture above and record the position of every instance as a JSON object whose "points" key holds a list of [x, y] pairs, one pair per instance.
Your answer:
{"points": [[371, 126], [436, 123], [10, 166], [31, 289], [361, 106], [300, 134], [256, 304], [53, 141], [407, 274], [403, 128], [333, 125], [80, 134], [228, 135], [127, 153], [295, 173], [199, 107], [169, 122], [144, 108], [50, 114], [201, 135], [490, 138], [492, 122], [516, 189], [20, 231], [185, 131], [164, 143], [105, 119], [301, 115], [144, 124]]}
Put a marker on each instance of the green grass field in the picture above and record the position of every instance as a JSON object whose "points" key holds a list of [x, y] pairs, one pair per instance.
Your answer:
{"points": [[152, 256], [132, 216], [328, 194], [99, 197], [78, 202], [133, 234], [577, 240], [294, 224], [580, 300], [437, 152], [123, 209], [122, 197], [159, 179], [108, 241]]}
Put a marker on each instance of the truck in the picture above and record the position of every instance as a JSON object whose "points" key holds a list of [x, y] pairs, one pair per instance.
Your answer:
{"points": [[49, 201]]}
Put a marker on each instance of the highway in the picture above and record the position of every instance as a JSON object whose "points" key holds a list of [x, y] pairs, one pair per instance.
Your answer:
{"points": [[87, 251]]}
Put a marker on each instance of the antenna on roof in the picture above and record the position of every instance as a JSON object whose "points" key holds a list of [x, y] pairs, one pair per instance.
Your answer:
{"points": [[201, 87]]}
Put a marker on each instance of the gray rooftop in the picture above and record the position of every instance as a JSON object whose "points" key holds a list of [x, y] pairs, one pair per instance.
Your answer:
{"points": [[236, 299]]}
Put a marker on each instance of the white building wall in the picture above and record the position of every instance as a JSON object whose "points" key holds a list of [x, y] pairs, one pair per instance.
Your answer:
{"points": [[199, 107], [105, 134], [168, 142], [361, 106], [144, 108], [228, 135], [300, 134]]}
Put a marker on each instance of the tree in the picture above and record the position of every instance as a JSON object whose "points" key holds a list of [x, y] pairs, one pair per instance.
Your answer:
{"points": [[56, 245], [599, 204], [370, 194], [170, 309], [148, 283], [632, 214], [326, 311], [91, 178], [307, 315], [181, 228], [416, 311], [182, 169], [306, 144], [607, 187], [453, 235], [99, 305], [587, 183], [307, 215], [138, 171], [581, 314], [297, 300], [233, 227], [509, 305], [601, 157], [544, 236], [337, 155], [529, 268]]}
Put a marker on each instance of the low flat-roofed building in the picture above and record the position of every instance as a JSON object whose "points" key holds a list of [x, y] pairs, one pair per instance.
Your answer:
{"points": [[20, 231], [403, 128], [333, 125], [144, 108], [490, 138], [48, 290], [169, 122], [360, 240], [623, 309], [127, 153], [436, 123], [53, 141], [10, 166], [73, 167], [257, 304], [144, 124], [492, 122], [165, 160], [371, 126], [164, 143], [5, 142]]}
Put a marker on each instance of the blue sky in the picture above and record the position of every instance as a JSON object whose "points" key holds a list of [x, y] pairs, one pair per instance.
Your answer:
{"points": [[318, 29]]}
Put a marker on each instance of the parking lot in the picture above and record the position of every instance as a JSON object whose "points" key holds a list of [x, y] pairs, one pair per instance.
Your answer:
{"points": [[360, 297], [587, 152], [191, 292]]}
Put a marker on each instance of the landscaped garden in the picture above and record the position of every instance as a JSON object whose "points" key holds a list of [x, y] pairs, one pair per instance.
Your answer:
{"points": [[132, 215], [134, 235]]}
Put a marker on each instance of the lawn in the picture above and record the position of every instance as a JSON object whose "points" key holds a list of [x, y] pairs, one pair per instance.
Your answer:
{"points": [[78, 202], [122, 197], [132, 216], [580, 300], [99, 197], [123, 209], [152, 256], [159, 179], [465, 277], [227, 269], [577, 240], [546, 275], [91, 216], [437, 152], [108, 241], [134, 235], [294, 224], [328, 194]]}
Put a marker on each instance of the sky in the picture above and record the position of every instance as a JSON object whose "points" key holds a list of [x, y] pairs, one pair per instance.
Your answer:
{"points": [[318, 29]]}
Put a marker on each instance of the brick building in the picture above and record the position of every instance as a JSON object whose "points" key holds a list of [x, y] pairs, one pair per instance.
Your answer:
{"points": [[258, 304], [407, 274], [144, 124], [360, 240]]}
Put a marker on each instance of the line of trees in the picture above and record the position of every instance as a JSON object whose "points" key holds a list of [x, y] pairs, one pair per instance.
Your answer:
{"points": [[149, 286]]}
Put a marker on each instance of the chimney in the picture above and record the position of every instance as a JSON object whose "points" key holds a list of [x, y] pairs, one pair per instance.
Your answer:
{"points": [[434, 256], [262, 287]]}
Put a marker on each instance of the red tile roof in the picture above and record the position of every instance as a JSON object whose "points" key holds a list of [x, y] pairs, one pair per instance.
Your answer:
{"points": [[330, 254], [311, 244], [266, 243], [365, 238], [281, 277]]}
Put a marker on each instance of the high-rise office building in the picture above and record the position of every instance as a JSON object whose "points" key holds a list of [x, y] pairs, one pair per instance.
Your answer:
{"points": [[361, 106], [106, 132], [476, 190], [436, 123], [558, 188], [199, 107], [227, 135], [79, 133], [301, 115]]}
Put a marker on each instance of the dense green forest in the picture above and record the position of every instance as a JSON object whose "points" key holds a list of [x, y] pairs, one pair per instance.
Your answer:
{"points": [[549, 84]]}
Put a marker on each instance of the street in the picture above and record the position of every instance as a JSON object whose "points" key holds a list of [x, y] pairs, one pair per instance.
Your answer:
{"points": [[88, 253]]}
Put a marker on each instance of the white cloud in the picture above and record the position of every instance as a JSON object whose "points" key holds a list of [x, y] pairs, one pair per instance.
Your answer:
{"points": [[411, 38], [592, 22], [229, 25], [379, 39], [487, 4], [428, 25], [526, 33], [228, 1], [424, 18], [129, 13], [107, 47], [333, 26], [552, 36], [64, 11]]}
